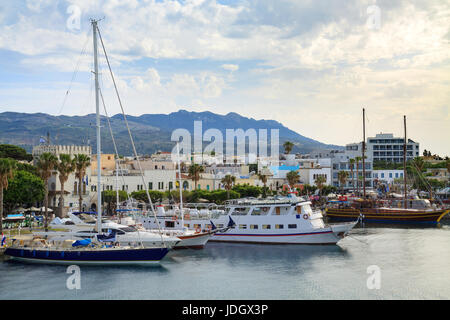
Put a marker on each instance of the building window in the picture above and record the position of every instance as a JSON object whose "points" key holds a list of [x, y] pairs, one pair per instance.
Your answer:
{"points": [[150, 185], [170, 185]]}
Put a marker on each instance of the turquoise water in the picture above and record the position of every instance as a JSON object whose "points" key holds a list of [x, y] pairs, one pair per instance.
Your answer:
{"points": [[414, 264]]}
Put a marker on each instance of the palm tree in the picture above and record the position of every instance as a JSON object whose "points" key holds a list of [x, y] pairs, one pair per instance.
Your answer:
{"points": [[320, 182], [292, 178], [7, 168], [352, 166], [228, 182], [342, 177], [65, 167], [194, 173], [45, 166], [81, 162], [288, 147], [263, 178], [357, 159]]}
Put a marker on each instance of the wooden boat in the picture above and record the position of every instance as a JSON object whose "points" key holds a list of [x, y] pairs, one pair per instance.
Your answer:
{"points": [[385, 211], [403, 210]]}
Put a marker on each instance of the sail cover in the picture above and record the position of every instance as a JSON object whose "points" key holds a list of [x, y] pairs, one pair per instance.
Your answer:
{"points": [[83, 242]]}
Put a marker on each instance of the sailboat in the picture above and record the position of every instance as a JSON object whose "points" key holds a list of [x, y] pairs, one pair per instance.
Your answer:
{"points": [[98, 248], [393, 211]]}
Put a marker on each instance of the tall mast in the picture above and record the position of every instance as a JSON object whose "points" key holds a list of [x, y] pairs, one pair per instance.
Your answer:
{"points": [[181, 192], [117, 184], [363, 151], [404, 162], [97, 109]]}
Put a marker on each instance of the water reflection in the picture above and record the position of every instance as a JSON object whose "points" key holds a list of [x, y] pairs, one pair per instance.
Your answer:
{"points": [[288, 256]]}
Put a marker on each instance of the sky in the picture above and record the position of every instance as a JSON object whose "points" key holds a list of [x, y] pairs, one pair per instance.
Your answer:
{"points": [[311, 65]]}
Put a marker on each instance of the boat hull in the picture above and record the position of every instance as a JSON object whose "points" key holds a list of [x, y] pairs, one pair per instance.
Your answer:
{"points": [[139, 256], [195, 241], [386, 215], [330, 235]]}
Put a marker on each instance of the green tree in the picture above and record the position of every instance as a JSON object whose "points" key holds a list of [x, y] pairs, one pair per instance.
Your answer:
{"points": [[141, 195], [110, 197], [81, 162], [320, 182], [246, 190], [7, 168], [65, 167], [14, 152], [263, 178], [228, 182], [351, 164], [45, 166], [24, 189], [292, 178], [194, 173], [357, 160], [342, 177], [288, 146]]}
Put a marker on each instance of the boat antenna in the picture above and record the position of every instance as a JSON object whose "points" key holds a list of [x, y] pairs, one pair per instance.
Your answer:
{"points": [[404, 162], [179, 181], [97, 109], [363, 151]]}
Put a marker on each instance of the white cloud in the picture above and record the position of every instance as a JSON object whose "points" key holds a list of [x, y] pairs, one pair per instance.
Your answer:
{"points": [[230, 67], [308, 64]]}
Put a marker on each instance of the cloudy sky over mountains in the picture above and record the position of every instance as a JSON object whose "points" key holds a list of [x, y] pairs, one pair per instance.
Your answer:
{"points": [[312, 65]]}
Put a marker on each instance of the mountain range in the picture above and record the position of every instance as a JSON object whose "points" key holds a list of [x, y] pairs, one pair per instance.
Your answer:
{"points": [[151, 132]]}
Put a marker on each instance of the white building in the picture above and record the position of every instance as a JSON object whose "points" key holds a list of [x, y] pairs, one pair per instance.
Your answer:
{"points": [[386, 176], [386, 147]]}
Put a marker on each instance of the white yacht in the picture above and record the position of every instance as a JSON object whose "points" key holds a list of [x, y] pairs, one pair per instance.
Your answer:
{"points": [[83, 225], [281, 220]]}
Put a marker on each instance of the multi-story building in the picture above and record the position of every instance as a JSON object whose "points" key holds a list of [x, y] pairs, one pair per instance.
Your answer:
{"points": [[386, 147]]}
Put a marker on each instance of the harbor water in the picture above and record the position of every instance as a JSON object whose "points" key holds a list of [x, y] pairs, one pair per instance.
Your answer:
{"points": [[413, 263]]}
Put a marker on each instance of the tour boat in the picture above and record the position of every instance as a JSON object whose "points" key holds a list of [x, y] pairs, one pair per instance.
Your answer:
{"points": [[279, 220]]}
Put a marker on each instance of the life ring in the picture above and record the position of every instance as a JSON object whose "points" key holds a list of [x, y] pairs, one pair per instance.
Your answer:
{"points": [[305, 216], [198, 230], [265, 209], [174, 218]]}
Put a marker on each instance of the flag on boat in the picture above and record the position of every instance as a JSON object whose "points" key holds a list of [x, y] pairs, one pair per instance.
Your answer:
{"points": [[41, 140], [213, 227], [3, 240]]}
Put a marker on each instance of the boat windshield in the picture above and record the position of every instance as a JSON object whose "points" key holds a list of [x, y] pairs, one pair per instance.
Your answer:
{"points": [[128, 229]]}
